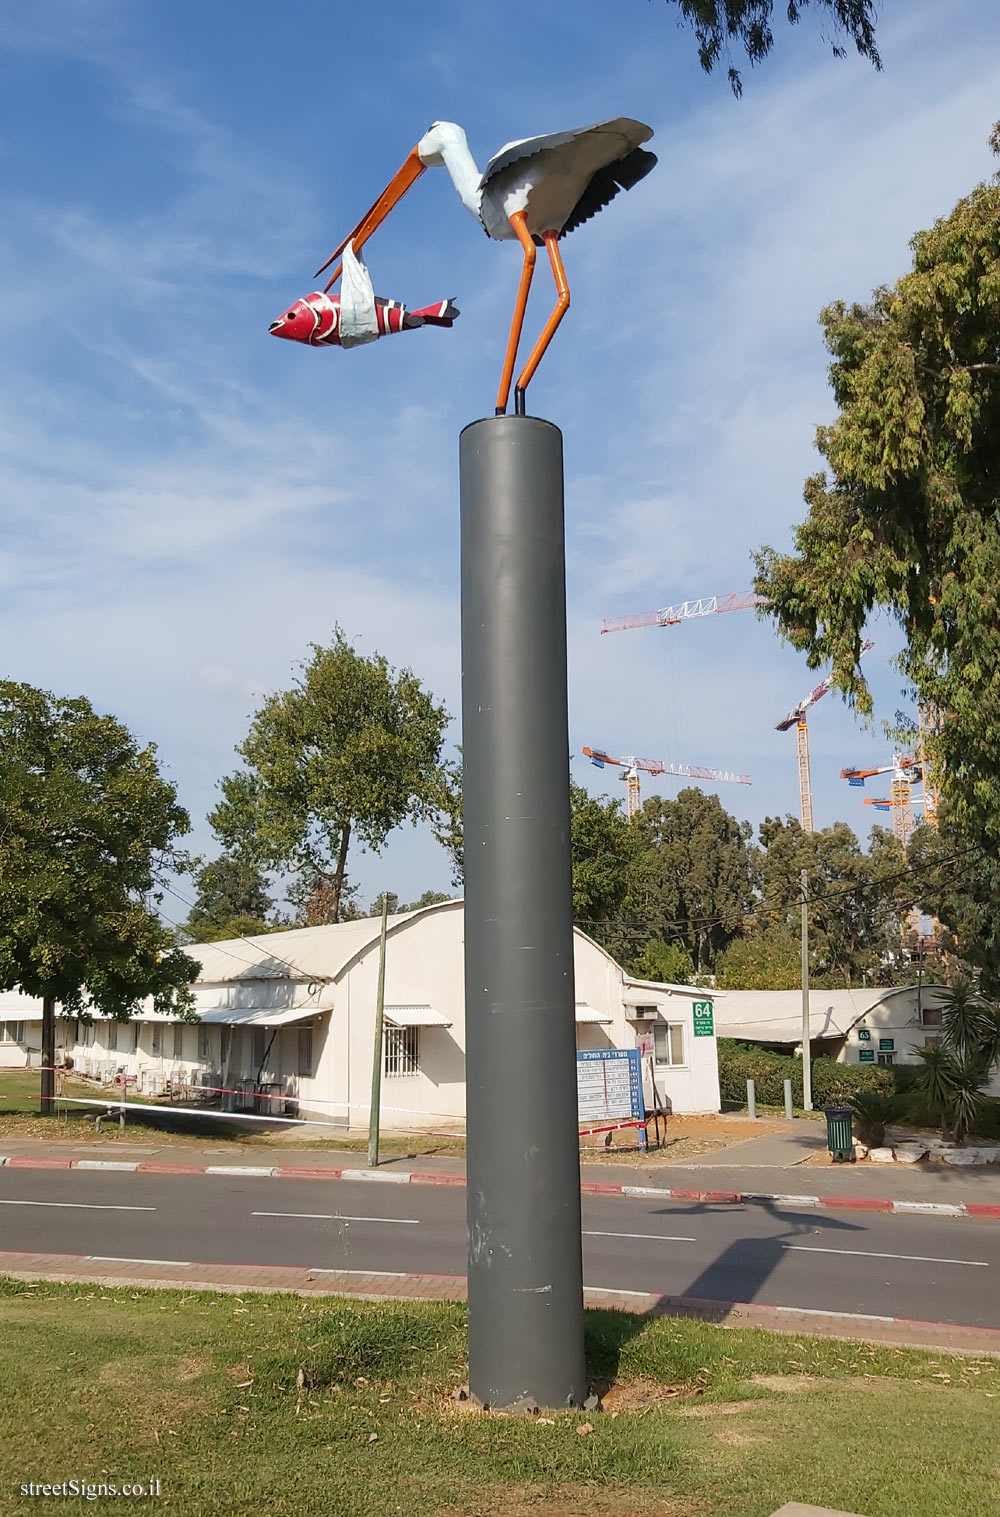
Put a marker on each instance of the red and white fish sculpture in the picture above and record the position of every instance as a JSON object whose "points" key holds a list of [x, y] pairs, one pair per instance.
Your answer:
{"points": [[316, 319]]}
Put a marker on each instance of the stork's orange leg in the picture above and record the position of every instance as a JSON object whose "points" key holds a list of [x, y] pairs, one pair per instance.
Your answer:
{"points": [[517, 221], [551, 240]]}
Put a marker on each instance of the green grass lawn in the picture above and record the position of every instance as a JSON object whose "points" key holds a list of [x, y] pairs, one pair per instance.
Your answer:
{"points": [[290, 1407]]}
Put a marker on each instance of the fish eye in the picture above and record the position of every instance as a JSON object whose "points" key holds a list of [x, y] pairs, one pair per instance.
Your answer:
{"points": [[290, 316]]}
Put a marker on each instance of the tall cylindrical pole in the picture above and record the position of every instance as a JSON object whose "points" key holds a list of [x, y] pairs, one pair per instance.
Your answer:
{"points": [[525, 1257], [375, 1109], [48, 1087], [807, 1080]]}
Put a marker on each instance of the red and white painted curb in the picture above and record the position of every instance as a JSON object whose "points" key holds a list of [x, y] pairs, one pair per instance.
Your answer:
{"points": [[587, 1187]]}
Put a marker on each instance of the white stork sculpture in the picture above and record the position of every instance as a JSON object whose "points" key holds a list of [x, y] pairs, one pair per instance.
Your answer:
{"points": [[535, 190]]}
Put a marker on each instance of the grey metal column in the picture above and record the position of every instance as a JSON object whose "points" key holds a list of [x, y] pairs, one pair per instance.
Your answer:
{"points": [[525, 1264]]}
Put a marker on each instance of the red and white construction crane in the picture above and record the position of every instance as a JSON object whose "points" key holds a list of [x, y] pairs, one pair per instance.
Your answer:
{"points": [[632, 766], [668, 616], [797, 718]]}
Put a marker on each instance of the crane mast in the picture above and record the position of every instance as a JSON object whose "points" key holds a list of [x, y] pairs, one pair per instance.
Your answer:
{"points": [[797, 718]]}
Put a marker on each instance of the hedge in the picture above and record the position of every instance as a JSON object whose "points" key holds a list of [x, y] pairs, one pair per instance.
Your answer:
{"points": [[832, 1083]]}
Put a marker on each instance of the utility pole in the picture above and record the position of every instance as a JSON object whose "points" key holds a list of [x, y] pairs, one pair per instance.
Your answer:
{"points": [[48, 1087], [374, 1110], [807, 1081]]}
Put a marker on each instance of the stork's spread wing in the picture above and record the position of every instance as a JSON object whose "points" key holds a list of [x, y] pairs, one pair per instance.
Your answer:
{"points": [[623, 134], [606, 183]]}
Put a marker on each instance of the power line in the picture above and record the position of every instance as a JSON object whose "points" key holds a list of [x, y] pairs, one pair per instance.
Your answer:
{"points": [[240, 938]]}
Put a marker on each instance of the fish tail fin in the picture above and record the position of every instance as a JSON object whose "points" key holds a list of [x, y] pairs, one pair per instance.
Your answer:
{"points": [[441, 314]]}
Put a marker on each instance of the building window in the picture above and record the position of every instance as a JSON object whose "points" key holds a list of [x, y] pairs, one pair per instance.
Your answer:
{"points": [[402, 1050], [204, 1056], [886, 1058], [112, 1037], [668, 1043], [11, 1032], [305, 1065], [133, 1037], [178, 1042], [932, 1042], [258, 1047], [931, 1016], [157, 1042]]}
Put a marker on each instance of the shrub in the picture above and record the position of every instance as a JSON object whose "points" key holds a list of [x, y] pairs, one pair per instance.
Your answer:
{"points": [[873, 1112], [833, 1084]]}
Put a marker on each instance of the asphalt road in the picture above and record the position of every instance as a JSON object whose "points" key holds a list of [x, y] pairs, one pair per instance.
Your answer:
{"points": [[935, 1269]]}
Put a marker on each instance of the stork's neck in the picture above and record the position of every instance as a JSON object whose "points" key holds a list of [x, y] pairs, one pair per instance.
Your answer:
{"points": [[446, 143]]}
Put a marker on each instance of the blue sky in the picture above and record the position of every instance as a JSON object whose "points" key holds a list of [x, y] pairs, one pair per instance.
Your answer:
{"points": [[188, 503]]}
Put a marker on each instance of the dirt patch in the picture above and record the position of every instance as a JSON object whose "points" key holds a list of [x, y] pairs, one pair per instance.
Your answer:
{"points": [[737, 1439], [784, 1382], [638, 1395], [571, 1501], [683, 1138]]}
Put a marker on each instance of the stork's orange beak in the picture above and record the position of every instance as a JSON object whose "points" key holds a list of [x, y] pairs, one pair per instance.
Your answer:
{"points": [[390, 196]]}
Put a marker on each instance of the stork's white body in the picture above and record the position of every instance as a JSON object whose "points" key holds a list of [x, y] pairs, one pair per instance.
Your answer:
{"points": [[535, 191], [546, 177]]}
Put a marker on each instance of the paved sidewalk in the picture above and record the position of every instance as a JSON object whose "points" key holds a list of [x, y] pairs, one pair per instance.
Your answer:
{"points": [[374, 1286]]}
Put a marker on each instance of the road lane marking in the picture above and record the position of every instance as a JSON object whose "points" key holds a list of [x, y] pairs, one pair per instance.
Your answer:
{"points": [[863, 1253], [383, 1274], [658, 1237], [77, 1205], [114, 1259], [326, 1216], [607, 1290]]}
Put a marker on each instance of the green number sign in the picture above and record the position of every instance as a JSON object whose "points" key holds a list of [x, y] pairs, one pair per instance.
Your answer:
{"points": [[867, 1056], [864, 1036], [704, 1019]]}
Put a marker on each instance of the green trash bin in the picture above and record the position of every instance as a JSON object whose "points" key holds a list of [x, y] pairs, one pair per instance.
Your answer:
{"points": [[840, 1134]]}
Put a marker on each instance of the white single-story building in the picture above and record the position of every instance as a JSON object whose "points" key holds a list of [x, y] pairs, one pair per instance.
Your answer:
{"points": [[286, 1022], [884, 1025]]}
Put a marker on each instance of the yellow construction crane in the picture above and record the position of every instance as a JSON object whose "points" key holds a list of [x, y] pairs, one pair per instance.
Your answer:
{"points": [[797, 718]]}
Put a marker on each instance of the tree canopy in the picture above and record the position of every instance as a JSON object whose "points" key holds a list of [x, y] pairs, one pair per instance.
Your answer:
{"points": [[721, 24], [905, 518], [90, 828], [232, 902], [351, 751]]}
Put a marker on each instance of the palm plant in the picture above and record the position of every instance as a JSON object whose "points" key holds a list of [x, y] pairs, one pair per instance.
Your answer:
{"points": [[874, 1111], [966, 1019], [951, 1086]]}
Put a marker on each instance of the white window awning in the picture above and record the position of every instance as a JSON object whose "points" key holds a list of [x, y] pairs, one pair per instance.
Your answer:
{"points": [[414, 1016], [260, 1016], [585, 1013]]}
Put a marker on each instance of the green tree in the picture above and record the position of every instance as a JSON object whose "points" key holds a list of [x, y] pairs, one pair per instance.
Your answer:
{"points": [[232, 902], [767, 959], [959, 885], [606, 850], [90, 829], [856, 900], [906, 519], [351, 751], [718, 24], [667, 962], [694, 882]]}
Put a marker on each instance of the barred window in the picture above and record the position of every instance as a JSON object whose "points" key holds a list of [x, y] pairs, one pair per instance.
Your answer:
{"points": [[203, 1053], [305, 1051], [668, 1042], [157, 1041], [402, 1050], [112, 1038], [178, 1042]]}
